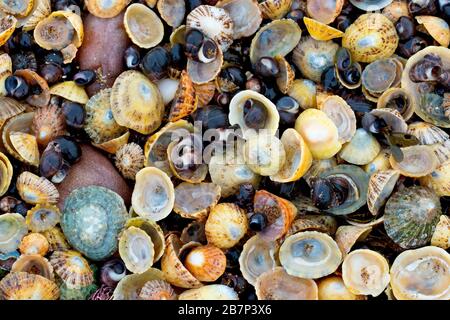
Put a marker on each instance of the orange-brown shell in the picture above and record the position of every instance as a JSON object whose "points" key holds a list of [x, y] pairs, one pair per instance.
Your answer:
{"points": [[157, 290], [185, 101], [34, 243], [206, 263], [48, 123], [33, 79], [72, 268], [35, 264]]}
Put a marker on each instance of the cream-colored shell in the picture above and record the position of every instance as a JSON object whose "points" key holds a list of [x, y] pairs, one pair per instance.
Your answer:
{"points": [[441, 235]]}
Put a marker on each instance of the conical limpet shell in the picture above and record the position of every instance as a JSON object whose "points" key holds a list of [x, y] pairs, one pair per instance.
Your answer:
{"points": [[194, 201], [27, 286], [347, 236], [157, 290], [246, 16], [43, 217], [381, 185], [26, 146], [129, 287], [12, 230], [172, 11], [34, 189], [143, 26], [153, 230], [72, 268], [106, 8], [34, 243], [333, 288], [34, 264], [136, 249]]}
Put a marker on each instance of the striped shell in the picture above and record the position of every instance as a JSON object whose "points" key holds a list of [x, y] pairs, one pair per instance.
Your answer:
{"points": [[34, 189], [185, 100], [72, 268], [381, 185], [27, 286], [35, 264], [43, 217], [157, 290]]}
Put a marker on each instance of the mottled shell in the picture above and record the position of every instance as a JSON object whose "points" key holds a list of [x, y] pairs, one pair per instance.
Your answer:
{"points": [[347, 236], [286, 76], [418, 161], [226, 225], [421, 274], [277, 284], [257, 256], [362, 140], [210, 292], [324, 11], [34, 189], [312, 57], [437, 27], [48, 123], [389, 100], [264, 154], [12, 230], [136, 102], [304, 92], [26, 147], [381, 185], [56, 239], [333, 288], [321, 31], [92, 218], [42, 217], [7, 27], [129, 287], [106, 8], [172, 11], [441, 235], [72, 268], [206, 263], [143, 26], [136, 249], [202, 73], [157, 290], [27, 286], [194, 201], [278, 37], [34, 243], [34, 264], [342, 115], [365, 272], [185, 100], [275, 9], [246, 16], [427, 133], [40, 10], [153, 195], [439, 179], [411, 215], [71, 91], [310, 255], [129, 160], [372, 36]]}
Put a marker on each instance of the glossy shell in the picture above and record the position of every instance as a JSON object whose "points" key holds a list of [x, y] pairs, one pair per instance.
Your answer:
{"points": [[381, 185], [26, 146], [194, 201], [418, 161], [210, 292], [362, 140], [379, 75], [136, 249], [71, 91], [143, 26], [264, 154], [206, 263], [321, 31], [42, 217], [246, 16], [92, 218], [106, 8], [27, 286], [34, 189], [333, 288], [342, 115], [12, 230], [72, 268], [324, 11], [437, 27], [34, 243]]}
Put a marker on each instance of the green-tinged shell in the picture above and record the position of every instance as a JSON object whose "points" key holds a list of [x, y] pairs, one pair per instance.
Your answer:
{"points": [[77, 294], [92, 219], [361, 141], [136, 249], [12, 229], [72, 268], [43, 217], [130, 286], [411, 215], [27, 286], [153, 230]]}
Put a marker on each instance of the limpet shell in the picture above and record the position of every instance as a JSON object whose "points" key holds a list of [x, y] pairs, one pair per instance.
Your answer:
{"points": [[381, 185], [42, 217], [274, 9], [246, 16], [129, 287], [418, 161], [27, 286], [172, 11], [324, 11], [19, 8], [206, 263], [437, 27], [194, 201], [347, 236], [312, 222], [371, 5], [129, 160], [439, 179], [264, 154], [34, 243], [26, 146], [441, 234], [333, 288], [143, 26], [6, 172], [396, 9], [380, 163], [7, 27], [10, 107], [427, 133], [56, 239], [285, 78], [48, 123], [389, 99], [157, 290], [185, 100], [72, 268], [342, 115], [210, 292], [106, 8], [201, 73], [40, 10], [362, 140], [136, 249], [12, 230], [304, 92], [321, 31], [71, 91], [34, 264], [153, 230], [34, 189]]}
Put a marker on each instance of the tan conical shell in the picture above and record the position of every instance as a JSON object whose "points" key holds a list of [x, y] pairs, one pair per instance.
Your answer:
{"points": [[26, 146], [27, 286], [72, 268], [195, 200], [71, 91], [130, 286], [34, 189], [347, 236], [381, 185], [48, 123], [129, 160], [441, 235], [136, 249], [157, 290], [246, 16], [427, 133], [312, 222], [437, 27], [56, 239], [106, 8], [34, 243]]}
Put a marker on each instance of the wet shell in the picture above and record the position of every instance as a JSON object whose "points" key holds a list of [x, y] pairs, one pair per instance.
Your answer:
{"points": [[27, 286], [130, 286], [428, 133], [257, 256], [277, 284], [173, 269], [40, 10], [310, 255], [136, 102], [333, 288], [136, 249], [275, 9], [246, 16], [172, 11], [398, 99], [421, 274], [365, 272], [362, 140], [48, 123], [264, 154], [439, 179], [206, 263], [157, 290], [6, 172], [56, 239], [92, 218], [226, 225], [381, 185], [34, 264], [304, 92], [12, 230], [106, 8], [185, 100], [438, 28], [278, 37], [72, 268], [129, 160], [213, 22], [143, 26], [347, 236], [372, 36], [26, 146], [321, 31], [7, 27], [70, 91], [153, 230], [312, 57], [201, 73], [210, 292], [194, 201], [441, 235], [153, 195], [371, 5], [393, 119], [418, 161], [34, 243], [42, 217], [34, 189], [286, 76], [342, 115], [411, 215], [310, 222]]}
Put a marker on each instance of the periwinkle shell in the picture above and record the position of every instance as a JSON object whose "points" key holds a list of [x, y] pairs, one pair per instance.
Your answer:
{"points": [[92, 220]]}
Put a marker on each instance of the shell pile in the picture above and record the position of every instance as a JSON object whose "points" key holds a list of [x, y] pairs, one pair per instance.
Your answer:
{"points": [[225, 149]]}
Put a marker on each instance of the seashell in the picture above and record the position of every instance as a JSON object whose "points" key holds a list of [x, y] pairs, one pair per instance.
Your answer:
{"points": [[10, 107], [42, 217], [153, 230], [342, 115], [136, 249], [6, 172], [213, 22], [194, 201], [437, 27], [173, 269], [312, 222], [226, 225], [298, 157], [153, 195], [245, 14], [421, 274], [205, 93], [347, 236], [130, 286], [362, 140], [201, 73], [17, 8], [286, 76], [380, 163], [143, 26], [172, 11], [168, 87], [438, 180], [5, 72], [371, 37], [13, 229], [257, 256], [34, 264], [56, 239], [442, 151], [106, 9], [34, 79], [392, 118], [194, 232], [77, 294], [26, 146], [34, 243], [274, 9], [277, 284], [379, 75], [264, 154], [381, 185], [304, 92], [7, 27], [72, 268], [321, 31], [333, 288], [27, 286], [441, 234], [371, 5], [347, 78], [210, 292], [278, 37], [398, 99], [312, 57], [40, 10], [19, 123], [411, 215], [418, 161], [365, 272], [136, 102], [310, 255], [48, 123], [129, 160], [112, 146], [92, 218], [69, 90], [185, 100], [319, 132], [206, 263], [427, 133], [324, 11], [157, 290], [34, 189], [395, 10]]}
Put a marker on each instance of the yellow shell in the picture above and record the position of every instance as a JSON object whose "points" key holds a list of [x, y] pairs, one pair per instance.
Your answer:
{"points": [[56, 239], [35, 264], [437, 27], [34, 243], [439, 179], [26, 146], [113, 145], [20, 8], [6, 172], [34, 189], [5, 72], [285, 78], [10, 107], [106, 8], [321, 31], [27, 286], [136, 249], [42, 217], [143, 26], [264, 154], [275, 9], [157, 290], [70, 91], [7, 27], [441, 234], [19, 123], [333, 288], [40, 10], [396, 9], [371, 37], [210, 292], [136, 102], [72, 268], [362, 140], [206, 263], [304, 92]]}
